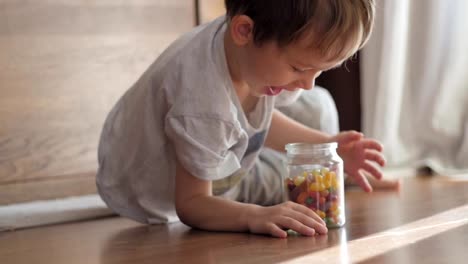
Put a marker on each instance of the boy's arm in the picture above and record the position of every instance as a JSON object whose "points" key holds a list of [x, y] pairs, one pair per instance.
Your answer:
{"points": [[284, 130], [359, 154], [197, 208]]}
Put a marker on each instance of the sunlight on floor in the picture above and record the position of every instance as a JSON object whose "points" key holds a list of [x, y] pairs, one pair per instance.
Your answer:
{"points": [[382, 242]]}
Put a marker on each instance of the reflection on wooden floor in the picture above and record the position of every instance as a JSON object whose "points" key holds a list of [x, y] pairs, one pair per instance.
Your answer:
{"points": [[386, 241]]}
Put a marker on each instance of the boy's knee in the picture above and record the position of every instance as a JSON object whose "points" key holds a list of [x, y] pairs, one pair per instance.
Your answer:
{"points": [[316, 109]]}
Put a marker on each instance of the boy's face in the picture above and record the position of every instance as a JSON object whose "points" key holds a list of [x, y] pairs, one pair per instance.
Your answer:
{"points": [[269, 69]]}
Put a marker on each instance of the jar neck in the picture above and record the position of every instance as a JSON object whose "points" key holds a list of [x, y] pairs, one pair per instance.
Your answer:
{"points": [[299, 149]]}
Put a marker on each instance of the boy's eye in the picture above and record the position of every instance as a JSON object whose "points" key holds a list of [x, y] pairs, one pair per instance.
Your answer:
{"points": [[297, 70]]}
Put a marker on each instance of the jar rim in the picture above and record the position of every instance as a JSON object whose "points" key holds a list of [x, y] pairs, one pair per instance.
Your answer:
{"points": [[308, 147]]}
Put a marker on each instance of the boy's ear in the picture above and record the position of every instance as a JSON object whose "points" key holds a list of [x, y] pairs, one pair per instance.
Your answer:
{"points": [[241, 29]]}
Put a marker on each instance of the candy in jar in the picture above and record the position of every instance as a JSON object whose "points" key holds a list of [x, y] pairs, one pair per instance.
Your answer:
{"points": [[315, 180]]}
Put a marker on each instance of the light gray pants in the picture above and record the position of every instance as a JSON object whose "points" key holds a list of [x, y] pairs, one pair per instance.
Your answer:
{"points": [[262, 185]]}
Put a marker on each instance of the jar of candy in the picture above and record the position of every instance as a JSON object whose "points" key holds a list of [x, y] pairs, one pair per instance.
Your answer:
{"points": [[315, 179]]}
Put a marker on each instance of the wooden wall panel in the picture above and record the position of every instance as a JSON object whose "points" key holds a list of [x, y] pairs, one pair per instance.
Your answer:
{"points": [[210, 9], [63, 64]]}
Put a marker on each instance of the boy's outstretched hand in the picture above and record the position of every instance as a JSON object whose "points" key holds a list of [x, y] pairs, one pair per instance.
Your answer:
{"points": [[274, 220], [360, 156]]}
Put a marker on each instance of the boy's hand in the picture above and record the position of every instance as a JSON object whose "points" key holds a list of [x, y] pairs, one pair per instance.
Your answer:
{"points": [[273, 220], [360, 155]]}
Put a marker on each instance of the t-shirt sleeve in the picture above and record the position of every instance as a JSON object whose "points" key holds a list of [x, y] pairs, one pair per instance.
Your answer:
{"points": [[207, 147]]}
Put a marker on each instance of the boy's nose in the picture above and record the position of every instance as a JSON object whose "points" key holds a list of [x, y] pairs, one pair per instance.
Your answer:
{"points": [[306, 84]]}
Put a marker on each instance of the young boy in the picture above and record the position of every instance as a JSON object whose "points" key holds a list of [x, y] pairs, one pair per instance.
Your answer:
{"points": [[183, 142]]}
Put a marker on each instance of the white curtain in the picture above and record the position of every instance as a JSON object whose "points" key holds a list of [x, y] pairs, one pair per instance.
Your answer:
{"points": [[415, 83]]}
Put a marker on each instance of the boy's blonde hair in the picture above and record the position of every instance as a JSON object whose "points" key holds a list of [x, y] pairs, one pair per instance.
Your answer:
{"points": [[335, 28]]}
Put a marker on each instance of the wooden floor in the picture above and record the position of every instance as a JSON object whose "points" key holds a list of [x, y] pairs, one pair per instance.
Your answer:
{"points": [[426, 222]]}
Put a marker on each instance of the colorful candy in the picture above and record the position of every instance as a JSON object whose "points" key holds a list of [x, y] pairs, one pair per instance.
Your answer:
{"points": [[318, 190]]}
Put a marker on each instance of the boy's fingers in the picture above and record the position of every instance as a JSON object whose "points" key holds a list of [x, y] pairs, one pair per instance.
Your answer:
{"points": [[309, 213], [309, 219], [348, 137], [361, 180], [275, 231], [353, 134], [375, 156], [291, 223], [371, 144], [372, 170]]}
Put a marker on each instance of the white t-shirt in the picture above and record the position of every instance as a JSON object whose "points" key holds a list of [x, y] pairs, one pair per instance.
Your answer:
{"points": [[184, 107]]}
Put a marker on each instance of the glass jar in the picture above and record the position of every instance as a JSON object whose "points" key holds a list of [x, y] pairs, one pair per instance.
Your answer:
{"points": [[315, 179]]}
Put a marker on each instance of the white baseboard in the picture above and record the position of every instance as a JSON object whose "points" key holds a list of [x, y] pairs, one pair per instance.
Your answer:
{"points": [[52, 212]]}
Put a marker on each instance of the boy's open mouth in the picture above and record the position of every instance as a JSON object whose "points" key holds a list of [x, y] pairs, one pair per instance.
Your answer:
{"points": [[273, 90]]}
